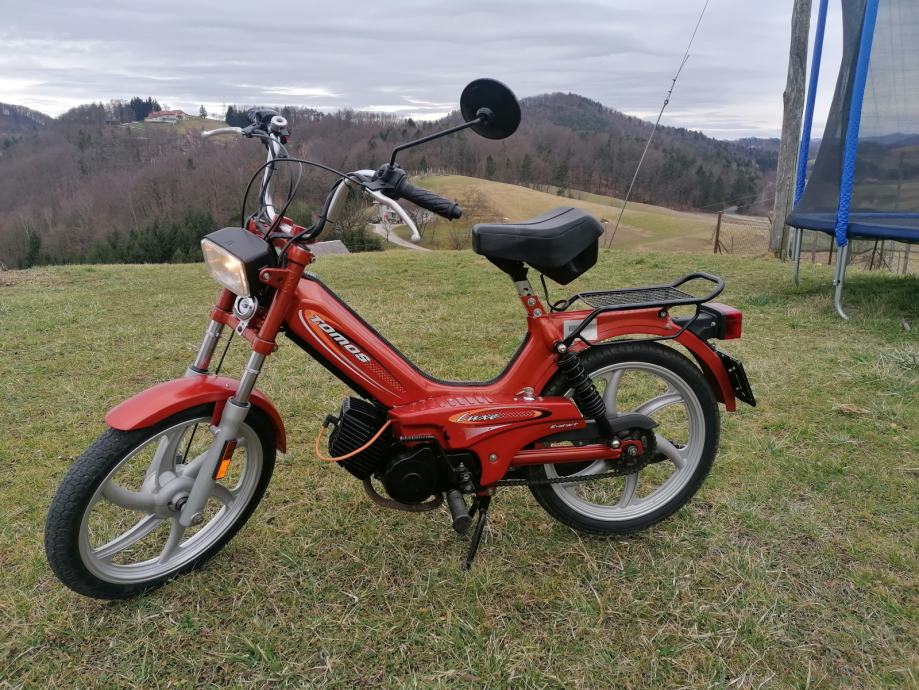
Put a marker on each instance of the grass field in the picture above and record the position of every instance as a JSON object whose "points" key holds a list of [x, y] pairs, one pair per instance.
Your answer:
{"points": [[647, 227], [191, 124], [796, 565]]}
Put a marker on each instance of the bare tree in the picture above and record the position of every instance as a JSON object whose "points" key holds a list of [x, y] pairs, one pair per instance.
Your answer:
{"points": [[422, 218], [791, 123]]}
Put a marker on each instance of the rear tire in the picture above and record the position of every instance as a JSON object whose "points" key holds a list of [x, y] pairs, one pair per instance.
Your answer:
{"points": [[91, 570], [691, 455]]}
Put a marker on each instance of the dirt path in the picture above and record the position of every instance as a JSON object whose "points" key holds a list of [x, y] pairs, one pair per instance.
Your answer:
{"points": [[395, 239]]}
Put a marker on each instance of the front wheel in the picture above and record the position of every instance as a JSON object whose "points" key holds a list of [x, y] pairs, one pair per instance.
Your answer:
{"points": [[656, 381], [112, 529]]}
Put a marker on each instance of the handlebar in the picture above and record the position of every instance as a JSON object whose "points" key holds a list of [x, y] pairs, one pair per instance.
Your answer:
{"points": [[397, 186], [273, 140], [385, 185], [429, 200]]}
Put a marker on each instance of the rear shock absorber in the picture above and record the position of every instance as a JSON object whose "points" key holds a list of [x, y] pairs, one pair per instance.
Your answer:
{"points": [[585, 394]]}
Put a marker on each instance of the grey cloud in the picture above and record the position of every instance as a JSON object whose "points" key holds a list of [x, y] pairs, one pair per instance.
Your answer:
{"points": [[406, 56]]}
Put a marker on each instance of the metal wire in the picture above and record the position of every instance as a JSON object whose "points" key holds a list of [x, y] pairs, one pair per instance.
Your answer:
{"points": [[641, 160], [216, 372]]}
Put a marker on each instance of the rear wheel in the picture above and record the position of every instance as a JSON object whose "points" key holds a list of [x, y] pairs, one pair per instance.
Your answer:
{"points": [[659, 382], [112, 529]]}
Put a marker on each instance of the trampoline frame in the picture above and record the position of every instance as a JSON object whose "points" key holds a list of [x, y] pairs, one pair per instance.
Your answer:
{"points": [[847, 175]]}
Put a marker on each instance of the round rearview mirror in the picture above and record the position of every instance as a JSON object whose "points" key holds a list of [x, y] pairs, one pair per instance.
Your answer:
{"points": [[495, 104]]}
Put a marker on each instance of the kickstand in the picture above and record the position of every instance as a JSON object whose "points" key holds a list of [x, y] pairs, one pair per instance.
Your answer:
{"points": [[480, 505]]}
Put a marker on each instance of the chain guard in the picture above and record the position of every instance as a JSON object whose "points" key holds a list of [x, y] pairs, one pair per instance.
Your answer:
{"points": [[648, 457]]}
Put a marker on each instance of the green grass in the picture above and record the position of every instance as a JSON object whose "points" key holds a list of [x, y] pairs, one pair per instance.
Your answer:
{"points": [[795, 566], [192, 124]]}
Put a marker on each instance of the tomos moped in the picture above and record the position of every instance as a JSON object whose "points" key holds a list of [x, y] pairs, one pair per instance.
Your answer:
{"points": [[608, 411]]}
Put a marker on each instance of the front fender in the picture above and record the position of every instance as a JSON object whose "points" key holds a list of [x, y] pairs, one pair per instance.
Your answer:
{"points": [[165, 399]]}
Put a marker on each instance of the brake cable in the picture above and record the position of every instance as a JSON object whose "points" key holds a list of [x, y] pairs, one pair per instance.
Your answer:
{"points": [[216, 373], [322, 217], [301, 161], [545, 288]]}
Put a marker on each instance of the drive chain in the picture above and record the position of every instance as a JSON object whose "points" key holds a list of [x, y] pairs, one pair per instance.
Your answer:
{"points": [[618, 472]]}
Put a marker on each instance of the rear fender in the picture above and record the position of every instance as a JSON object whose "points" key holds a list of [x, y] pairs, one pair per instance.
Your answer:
{"points": [[656, 322], [165, 399], [712, 367]]}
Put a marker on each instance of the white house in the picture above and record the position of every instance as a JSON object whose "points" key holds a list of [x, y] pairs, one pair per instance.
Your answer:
{"points": [[170, 116], [384, 214]]}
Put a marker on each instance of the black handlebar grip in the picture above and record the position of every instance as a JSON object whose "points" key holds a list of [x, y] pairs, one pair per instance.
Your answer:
{"points": [[429, 200]]}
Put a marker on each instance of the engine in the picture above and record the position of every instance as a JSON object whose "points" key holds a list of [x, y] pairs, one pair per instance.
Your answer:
{"points": [[413, 475], [358, 420], [410, 475]]}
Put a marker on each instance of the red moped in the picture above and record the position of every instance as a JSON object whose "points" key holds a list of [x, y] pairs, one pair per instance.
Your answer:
{"points": [[610, 426]]}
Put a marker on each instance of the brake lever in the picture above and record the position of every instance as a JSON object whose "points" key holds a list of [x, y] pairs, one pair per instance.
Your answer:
{"points": [[370, 186], [394, 205], [220, 130]]}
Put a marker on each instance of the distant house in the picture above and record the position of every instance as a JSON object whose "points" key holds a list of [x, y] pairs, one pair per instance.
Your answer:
{"points": [[384, 214], [170, 116]]}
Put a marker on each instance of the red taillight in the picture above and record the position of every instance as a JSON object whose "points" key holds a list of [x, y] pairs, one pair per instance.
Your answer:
{"points": [[733, 319], [733, 325]]}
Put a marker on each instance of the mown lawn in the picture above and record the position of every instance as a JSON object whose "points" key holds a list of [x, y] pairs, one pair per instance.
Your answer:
{"points": [[795, 566]]}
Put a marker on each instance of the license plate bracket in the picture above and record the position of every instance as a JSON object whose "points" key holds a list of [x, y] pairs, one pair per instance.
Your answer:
{"points": [[738, 376]]}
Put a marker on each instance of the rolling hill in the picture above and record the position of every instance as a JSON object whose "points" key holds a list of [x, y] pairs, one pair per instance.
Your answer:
{"points": [[644, 226], [17, 119], [87, 180]]}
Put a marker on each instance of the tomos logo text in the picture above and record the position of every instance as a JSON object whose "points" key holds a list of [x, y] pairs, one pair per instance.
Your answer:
{"points": [[346, 344]]}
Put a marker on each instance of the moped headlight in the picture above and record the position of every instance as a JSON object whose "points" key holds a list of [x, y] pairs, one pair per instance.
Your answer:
{"points": [[234, 258]]}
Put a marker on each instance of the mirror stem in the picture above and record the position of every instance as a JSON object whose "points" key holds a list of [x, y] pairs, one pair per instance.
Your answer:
{"points": [[437, 135]]}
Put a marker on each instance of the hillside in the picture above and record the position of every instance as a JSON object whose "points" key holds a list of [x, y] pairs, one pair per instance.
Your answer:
{"points": [[572, 142], [191, 124], [643, 226], [17, 119], [674, 152], [85, 181], [794, 567]]}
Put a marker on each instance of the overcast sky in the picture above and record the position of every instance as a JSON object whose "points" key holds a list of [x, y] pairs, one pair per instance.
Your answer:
{"points": [[410, 57]]}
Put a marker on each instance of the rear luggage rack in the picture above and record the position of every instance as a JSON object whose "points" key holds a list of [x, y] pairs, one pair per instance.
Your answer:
{"points": [[649, 297]]}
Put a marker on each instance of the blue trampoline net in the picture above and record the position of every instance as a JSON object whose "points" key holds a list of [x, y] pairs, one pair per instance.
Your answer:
{"points": [[885, 178]]}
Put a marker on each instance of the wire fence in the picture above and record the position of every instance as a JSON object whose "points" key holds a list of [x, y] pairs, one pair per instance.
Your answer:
{"points": [[736, 234], [874, 255], [749, 236]]}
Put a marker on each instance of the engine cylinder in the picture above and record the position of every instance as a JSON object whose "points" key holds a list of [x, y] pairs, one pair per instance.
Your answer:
{"points": [[358, 421]]}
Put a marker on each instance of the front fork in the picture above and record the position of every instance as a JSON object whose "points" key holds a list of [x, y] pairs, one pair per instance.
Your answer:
{"points": [[206, 350], [231, 420]]}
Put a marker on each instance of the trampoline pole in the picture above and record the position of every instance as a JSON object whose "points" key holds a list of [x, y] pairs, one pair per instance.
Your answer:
{"points": [[850, 151], [842, 258], [796, 254]]}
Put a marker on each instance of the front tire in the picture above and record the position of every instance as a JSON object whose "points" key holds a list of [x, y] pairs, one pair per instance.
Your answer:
{"points": [[661, 383], [112, 530]]}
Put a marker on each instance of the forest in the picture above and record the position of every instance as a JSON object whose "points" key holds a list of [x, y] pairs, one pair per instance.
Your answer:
{"points": [[96, 185]]}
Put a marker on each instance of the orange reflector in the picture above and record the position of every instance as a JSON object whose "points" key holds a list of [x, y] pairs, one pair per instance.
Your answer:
{"points": [[224, 465]]}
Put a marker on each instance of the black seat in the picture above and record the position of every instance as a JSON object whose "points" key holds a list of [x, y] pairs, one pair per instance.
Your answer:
{"points": [[562, 244]]}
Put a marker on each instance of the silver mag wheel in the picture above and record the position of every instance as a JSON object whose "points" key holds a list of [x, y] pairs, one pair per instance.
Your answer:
{"points": [[657, 381], [112, 529]]}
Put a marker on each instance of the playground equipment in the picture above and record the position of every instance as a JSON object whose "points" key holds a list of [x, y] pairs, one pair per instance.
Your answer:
{"points": [[864, 182]]}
